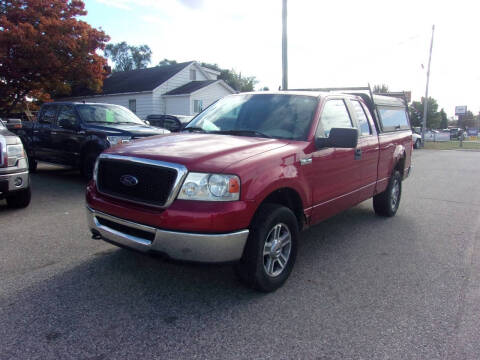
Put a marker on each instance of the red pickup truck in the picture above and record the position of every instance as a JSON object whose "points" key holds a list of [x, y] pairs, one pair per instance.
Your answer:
{"points": [[250, 172]]}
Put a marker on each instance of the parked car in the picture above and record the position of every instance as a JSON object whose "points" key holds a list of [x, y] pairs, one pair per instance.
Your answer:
{"points": [[74, 134], [14, 177], [247, 174], [173, 123]]}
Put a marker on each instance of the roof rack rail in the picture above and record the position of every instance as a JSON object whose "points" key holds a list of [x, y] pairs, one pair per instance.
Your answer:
{"points": [[359, 88]]}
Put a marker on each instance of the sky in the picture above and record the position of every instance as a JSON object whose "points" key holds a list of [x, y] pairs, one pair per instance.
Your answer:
{"points": [[330, 43]]}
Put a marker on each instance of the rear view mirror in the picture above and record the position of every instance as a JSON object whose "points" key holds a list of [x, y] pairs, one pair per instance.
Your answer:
{"points": [[339, 138], [13, 124]]}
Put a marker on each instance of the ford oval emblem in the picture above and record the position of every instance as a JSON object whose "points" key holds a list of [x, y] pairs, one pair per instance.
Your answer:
{"points": [[128, 180]]}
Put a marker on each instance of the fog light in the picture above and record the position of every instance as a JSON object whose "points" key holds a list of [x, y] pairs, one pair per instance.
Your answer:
{"points": [[18, 181]]}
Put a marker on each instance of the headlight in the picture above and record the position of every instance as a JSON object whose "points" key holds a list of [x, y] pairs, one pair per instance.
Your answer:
{"points": [[114, 140], [14, 153], [210, 187]]}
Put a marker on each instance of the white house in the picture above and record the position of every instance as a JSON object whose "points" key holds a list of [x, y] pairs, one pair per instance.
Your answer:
{"points": [[179, 89]]}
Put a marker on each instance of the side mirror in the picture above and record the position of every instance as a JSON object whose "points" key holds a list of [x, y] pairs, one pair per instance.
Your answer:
{"points": [[66, 124], [147, 122], [339, 138], [13, 124]]}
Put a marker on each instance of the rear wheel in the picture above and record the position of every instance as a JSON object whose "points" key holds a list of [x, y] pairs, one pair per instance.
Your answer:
{"points": [[271, 248], [387, 202], [19, 199]]}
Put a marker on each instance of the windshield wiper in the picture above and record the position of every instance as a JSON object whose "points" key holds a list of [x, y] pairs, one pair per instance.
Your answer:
{"points": [[193, 129], [242, 132]]}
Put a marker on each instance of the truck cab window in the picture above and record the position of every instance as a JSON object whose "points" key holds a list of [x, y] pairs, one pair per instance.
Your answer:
{"points": [[48, 115], [66, 117], [334, 115], [362, 120]]}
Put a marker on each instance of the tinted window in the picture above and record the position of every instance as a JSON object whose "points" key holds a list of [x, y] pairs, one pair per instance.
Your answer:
{"points": [[66, 116], [334, 115], [274, 115], [48, 114], [393, 118], [171, 124], [361, 118], [99, 113]]}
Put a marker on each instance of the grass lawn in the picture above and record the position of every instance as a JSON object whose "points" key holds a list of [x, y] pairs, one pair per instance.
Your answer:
{"points": [[452, 145]]}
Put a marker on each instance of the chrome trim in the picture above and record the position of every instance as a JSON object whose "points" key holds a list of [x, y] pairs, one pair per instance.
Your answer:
{"points": [[306, 161], [181, 170], [209, 248], [11, 180]]}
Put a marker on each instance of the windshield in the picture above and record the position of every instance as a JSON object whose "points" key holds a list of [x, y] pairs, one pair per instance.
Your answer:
{"points": [[268, 115], [110, 114]]}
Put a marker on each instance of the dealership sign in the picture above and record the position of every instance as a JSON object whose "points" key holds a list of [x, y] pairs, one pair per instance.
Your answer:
{"points": [[461, 110]]}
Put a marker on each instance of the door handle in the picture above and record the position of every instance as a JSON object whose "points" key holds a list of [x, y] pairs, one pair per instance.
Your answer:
{"points": [[306, 161], [53, 132], [358, 154]]}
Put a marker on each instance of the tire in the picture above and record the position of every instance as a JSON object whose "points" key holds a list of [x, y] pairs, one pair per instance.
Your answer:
{"points": [[88, 163], [417, 144], [19, 199], [263, 267], [32, 164], [387, 202]]}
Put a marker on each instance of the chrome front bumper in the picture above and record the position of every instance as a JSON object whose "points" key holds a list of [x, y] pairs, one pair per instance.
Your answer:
{"points": [[14, 179], [210, 248]]}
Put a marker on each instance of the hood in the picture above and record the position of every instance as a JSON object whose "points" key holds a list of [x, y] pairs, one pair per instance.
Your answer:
{"points": [[134, 130], [199, 152]]}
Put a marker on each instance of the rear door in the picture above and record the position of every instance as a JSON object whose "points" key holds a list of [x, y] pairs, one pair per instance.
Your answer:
{"points": [[42, 134], [367, 151], [334, 176], [65, 136]]}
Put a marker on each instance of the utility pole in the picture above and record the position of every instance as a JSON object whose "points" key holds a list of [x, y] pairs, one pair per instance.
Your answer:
{"points": [[284, 47], [425, 103]]}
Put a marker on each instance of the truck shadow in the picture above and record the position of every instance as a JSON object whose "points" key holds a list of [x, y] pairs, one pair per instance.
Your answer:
{"points": [[118, 293]]}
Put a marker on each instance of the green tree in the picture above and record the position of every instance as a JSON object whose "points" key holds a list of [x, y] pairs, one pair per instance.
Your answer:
{"points": [[467, 120], [433, 115], [128, 57], [167, 62], [380, 89], [443, 119], [234, 79]]}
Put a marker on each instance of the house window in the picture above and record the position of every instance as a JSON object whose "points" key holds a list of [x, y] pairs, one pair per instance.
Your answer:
{"points": [[132, 105], [193, 75], [197, 106]]}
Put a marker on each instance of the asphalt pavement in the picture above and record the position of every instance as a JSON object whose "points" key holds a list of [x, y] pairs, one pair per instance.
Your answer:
{"points": [[363, 287]]}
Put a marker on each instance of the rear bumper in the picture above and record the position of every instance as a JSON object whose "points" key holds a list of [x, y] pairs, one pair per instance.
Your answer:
{"points": [[209, 248], [13, 182]]}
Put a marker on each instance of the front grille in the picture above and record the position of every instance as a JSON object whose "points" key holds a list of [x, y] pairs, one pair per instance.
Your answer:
{"points": [[153, 183], [126, 229]]}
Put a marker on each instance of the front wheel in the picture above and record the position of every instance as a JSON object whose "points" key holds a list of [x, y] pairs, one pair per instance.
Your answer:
{"points": [[88, 164], [417, 144], [19, 199], [387, 202], [271, 248]]}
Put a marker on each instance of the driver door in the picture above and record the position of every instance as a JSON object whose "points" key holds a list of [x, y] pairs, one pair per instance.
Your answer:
{"points": [[334, 172], [66, 136]]}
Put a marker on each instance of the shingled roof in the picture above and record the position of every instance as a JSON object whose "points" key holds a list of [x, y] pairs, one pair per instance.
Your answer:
{"points": [[190, 87], [141, 79]]}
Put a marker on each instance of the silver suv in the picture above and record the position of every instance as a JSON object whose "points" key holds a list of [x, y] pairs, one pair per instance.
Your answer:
{"points": [[14, 177]]}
